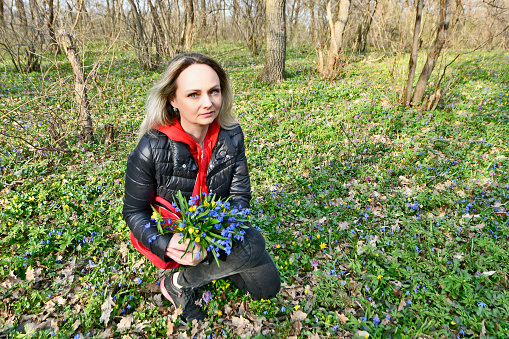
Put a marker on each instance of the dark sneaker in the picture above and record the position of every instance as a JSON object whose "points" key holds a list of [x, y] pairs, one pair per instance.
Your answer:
{"points": [[184, 298]]}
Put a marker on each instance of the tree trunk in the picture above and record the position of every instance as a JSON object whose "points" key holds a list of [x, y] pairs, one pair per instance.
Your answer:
{"points": [[337, 29], [165, 20], [85, 119], [37, 22], [20, 6], [203, 13], [189, 25], [364, 29], [110, 20], [182, 31], [27, 46], [161, 39], [289, 27], [179, 32], [433, 55], [274, 69], [235, 13], [313, 31], [295, 19], [50, 23], [413, 56], [109, 132], [146, 61], [2, 19]]}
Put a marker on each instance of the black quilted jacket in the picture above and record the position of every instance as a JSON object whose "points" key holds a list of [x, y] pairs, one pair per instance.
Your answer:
{"points": [[159, 166]]}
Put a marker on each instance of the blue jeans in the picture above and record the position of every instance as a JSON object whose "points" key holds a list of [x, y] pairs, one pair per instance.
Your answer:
{"points": [[249, 266]]}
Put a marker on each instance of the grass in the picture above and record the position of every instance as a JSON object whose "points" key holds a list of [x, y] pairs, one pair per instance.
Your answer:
{"points": [[383, 220]]}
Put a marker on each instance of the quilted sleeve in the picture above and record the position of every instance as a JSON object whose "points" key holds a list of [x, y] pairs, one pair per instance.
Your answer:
{"points": [[240, 188], [140, 190]]}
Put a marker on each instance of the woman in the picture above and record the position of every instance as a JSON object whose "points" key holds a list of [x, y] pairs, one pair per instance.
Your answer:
{"points": [[189, 141]]}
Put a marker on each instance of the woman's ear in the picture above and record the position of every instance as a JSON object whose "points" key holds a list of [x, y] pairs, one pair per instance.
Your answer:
{"points": [[172, 102]]}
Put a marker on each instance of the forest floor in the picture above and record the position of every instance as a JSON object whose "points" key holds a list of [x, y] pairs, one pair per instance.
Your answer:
{"points": [[384, 221]]}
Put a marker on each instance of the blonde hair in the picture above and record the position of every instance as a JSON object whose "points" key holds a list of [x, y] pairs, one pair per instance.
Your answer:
{"points": [[159, 111]]}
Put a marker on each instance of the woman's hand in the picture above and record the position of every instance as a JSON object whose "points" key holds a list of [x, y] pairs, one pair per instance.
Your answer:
{"points": [[176, 250]]}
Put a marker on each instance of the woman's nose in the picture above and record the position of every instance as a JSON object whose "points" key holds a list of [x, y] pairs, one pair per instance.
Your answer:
{"points": [[206, 101]]}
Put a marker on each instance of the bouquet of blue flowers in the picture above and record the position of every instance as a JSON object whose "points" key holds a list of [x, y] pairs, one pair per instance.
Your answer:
{"points": [[211, 224]]}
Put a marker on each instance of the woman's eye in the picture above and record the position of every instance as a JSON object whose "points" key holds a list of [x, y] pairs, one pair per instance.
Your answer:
{"points": [[192, 95], [215, 91]]}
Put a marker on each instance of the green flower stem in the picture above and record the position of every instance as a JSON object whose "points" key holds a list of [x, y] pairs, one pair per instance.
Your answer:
{"points": [[209, 240]]}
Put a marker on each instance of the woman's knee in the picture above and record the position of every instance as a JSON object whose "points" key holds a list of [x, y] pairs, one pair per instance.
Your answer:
{"points": [[266, 280], [256, 245], [270, 288]]}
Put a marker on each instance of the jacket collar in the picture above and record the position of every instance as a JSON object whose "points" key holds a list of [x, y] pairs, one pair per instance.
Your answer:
{"points": [[202, 157]]}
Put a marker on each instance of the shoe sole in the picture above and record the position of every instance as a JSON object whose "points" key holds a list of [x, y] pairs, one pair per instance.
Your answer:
{"points": [[164, 291]]}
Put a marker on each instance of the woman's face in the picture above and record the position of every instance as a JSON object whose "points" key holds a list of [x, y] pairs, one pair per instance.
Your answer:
{"points": [[198, 96]]}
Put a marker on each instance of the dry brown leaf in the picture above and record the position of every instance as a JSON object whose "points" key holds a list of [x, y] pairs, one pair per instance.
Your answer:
{"points": [[175, 314], [54, 324], [61, 301], [407, 191], [405, 181], [124, 250], [194, 328], [106, 308], [314, 336], [297, 327], [483, 331], [125, 323], [240, 322], [65, 276], [373, 240], [138, 264], [10, 281], [402, 304], [396, 291], [153, 287], [30, 274], [30, 328], [243, 327], [258, 323], [75, 326], [227, 310], [342, 318], [140, 327], [293, 290], [299, 315], [344, 225], [458, 256], [378, 212], [170, 327], [322, 220], [478, 227], [360, 245], [242, 309], [157, 299], [47, 323]]}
